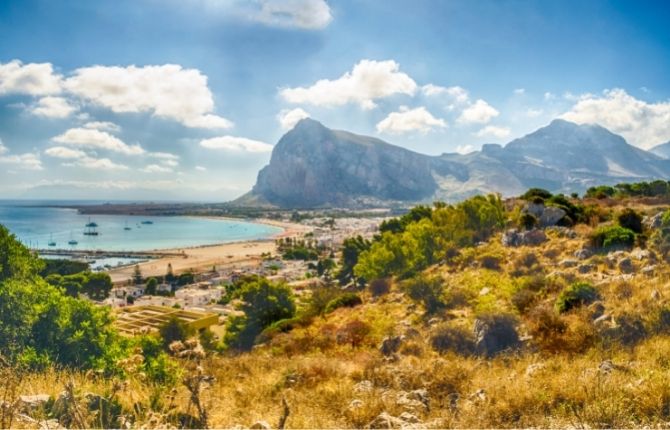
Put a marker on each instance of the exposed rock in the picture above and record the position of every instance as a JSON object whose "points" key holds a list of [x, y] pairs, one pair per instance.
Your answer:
{"points": [[586, 268], [535, 209], [649, 270], [568, 262], [364, 386], [355, 404], [495, 334], [32, 403], [640, 254], [603, 320], [655, 221], [626, 265], [261, 425], [385, 421], [484, 291], [655, 295], [514, 237], [534, 368], [390, 345], [434, 321], [413, 400], [478, 396], [583, 254], [409, 418], [597, 309], [551, 216]]}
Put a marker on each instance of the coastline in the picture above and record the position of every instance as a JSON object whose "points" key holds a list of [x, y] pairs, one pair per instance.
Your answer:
{"points": [[230, 255]]}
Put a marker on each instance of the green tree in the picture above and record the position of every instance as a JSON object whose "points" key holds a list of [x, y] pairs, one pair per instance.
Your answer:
{"points": [[97, 286], [173, 330], [264, 303], [137, 275], [351, 250], [151, 287]]}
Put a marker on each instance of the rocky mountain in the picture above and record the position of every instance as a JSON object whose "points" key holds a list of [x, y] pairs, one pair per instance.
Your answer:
{"points": [[314, 166]]}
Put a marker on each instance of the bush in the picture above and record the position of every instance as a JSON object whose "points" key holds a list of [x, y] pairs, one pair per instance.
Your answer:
{"points": [[490, 261], [612, 236], [631, 220], [381, 286], [577, 294], [354, 333], [534, 193], [523, 299], [446, 338], [173, 330], [264, 303], [528, 221], [427, 291], [346, 300]]}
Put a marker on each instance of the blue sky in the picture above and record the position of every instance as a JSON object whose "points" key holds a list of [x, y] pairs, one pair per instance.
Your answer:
{"points": [[168, 99]]}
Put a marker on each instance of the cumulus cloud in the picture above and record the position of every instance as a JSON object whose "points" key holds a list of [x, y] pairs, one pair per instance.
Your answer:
{"points": [[27, 161], [368, 81], [519, 91], [65, 153], [641, 123], [103, 126], [3, 148], [493, 131], [92, 138], [236, 144], [479, 112], [406, 120], [99, 164], [200, 168], [304, 14], [155, 168], [534, 113], [166, 158], [53, 107], [36, 79], [166, 91], [288, 118]]}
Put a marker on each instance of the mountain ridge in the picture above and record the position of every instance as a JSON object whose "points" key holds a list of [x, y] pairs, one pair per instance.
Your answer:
{"points": [[314, 166]]}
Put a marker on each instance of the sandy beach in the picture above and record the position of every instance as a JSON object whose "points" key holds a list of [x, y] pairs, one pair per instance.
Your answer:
{"points": [[202, 258]]}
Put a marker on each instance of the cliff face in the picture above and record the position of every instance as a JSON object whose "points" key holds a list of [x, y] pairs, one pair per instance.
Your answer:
{"points": [[314, 166]]}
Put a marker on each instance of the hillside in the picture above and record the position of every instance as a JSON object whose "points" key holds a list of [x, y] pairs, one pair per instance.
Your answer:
{"points": [[313, 166], [483, 314]]}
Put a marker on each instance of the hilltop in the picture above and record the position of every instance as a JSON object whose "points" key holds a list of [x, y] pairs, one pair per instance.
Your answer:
{"points": [[314, 166], [537, 311]]}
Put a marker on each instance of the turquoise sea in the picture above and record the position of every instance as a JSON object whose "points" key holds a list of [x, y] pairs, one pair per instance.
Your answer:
{"points": [[36, 226]]}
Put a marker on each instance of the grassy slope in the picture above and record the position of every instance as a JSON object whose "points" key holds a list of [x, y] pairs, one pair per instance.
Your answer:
{"points": [[552, 382]]}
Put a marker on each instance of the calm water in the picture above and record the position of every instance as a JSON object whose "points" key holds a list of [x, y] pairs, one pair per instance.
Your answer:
{"points": [[36, 226]]}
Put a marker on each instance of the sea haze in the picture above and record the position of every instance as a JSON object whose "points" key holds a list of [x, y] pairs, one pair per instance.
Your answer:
{"points": [[35, 226]]}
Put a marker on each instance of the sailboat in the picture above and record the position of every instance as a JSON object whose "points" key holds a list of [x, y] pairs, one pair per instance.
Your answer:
{"points": [[72, 242], [91, 228], [51, 240], [126, 227]]}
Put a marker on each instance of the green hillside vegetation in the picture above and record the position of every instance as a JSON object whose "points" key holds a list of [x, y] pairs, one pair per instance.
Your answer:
{"points": [[465, 315]]}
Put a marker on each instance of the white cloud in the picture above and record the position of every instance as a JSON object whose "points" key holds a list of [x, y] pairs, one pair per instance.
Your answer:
{"points": [[200, 168], [53, 107], [549, 96], [28, 161], [92, 138], [63, 152], [479, 112], [643, 124], [236, 144], [464, 149], [519, 91], [289, 118], [36, 79], [99, 164], [305, 14], [493, 131], [166, 91], [155, 168], [368, 81], [3, 148], [103, 126], [406, 120], [534, 113], [458, 95]]}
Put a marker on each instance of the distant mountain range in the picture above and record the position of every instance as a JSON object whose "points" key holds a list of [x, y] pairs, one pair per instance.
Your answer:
{"points": [[314, 166]]}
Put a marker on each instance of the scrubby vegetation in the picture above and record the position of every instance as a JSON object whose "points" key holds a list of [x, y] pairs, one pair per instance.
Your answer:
{"points": [[441, 320]]}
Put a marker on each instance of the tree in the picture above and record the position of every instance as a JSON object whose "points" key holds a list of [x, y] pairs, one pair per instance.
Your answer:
{"points": [[174, 329], [351, 250], [151, 287], [169, 277], [137, 275], [97, 286], [264, 303]]}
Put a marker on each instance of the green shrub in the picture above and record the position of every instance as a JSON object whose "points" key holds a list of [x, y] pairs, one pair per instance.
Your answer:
{"points": [[534, 193], [446, 337], [631, 220], [577, 294], [379, 287], [427, 291], [612, 236], [528, 221], [346, 300]]}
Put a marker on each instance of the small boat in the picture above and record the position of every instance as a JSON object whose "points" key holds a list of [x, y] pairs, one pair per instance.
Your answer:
{"points": [[72, 242], [91, 228], [51, 241], [147, 222], [126, 228]]}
